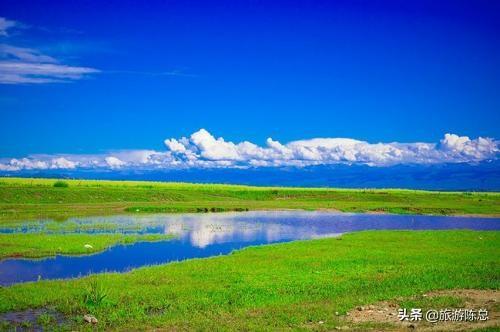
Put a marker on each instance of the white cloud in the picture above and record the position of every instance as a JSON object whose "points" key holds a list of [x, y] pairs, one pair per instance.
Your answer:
{"points": [[202, 146], [203, 150], [5, 25], [35, 73], [24, 163], [62, 162], [21, 65], [135, 156], [174, 145], [461, 147], [114, 162], [24, 54], [37, 163], [214, 149]]}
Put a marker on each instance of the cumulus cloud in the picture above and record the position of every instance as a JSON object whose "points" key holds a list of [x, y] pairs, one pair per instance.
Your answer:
{"points": [[203, 150], [62, 162], [114, 162], [461, 147], [37, 163], [203, 147]]}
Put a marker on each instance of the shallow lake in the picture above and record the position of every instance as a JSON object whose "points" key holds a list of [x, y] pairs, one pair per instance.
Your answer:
{"points": [[204, 235]]}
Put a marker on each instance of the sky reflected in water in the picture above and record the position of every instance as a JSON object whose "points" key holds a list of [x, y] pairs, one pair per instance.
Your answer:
{"points": [[204, 235]]}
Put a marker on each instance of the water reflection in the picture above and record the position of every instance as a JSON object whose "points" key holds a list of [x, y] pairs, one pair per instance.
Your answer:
{"points": [[204, 230], [204, 235]]}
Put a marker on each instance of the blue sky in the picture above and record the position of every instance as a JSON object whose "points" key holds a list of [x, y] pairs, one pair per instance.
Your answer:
{"points": [[375, 71]]}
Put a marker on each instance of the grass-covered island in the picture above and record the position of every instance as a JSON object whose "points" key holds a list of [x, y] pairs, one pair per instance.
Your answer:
{"points": [[41, 198], [44, 245], [322, 284]]}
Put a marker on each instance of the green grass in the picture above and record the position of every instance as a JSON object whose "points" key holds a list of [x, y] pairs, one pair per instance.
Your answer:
{"points": [[58, 227], [43, 245], [38, 198], [276, 287], [61, 184]]}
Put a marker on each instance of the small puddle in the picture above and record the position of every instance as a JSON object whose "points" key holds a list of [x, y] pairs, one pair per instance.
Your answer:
{"points": [[32, 319], [205, 235]]}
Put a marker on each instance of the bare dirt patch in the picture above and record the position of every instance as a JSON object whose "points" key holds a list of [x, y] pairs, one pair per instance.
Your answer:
{"points": [[386, 313]]}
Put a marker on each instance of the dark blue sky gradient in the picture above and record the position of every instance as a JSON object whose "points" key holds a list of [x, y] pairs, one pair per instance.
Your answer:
{"points": [[247, 70]]}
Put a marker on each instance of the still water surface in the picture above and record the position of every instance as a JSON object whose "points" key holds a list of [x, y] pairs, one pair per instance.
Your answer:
{"points": [[204, 235]]}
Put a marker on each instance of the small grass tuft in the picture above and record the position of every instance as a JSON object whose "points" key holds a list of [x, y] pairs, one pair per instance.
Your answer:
{"points": [[61, 184], [94, 295], [45, 319]]}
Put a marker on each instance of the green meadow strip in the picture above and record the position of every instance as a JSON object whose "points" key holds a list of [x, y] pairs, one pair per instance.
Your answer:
{"points": [[47, 198]]}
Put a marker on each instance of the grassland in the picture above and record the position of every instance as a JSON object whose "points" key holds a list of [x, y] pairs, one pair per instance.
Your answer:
{"points": [[43, 245], [297, 285], [38, 198], [293, 286]]}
